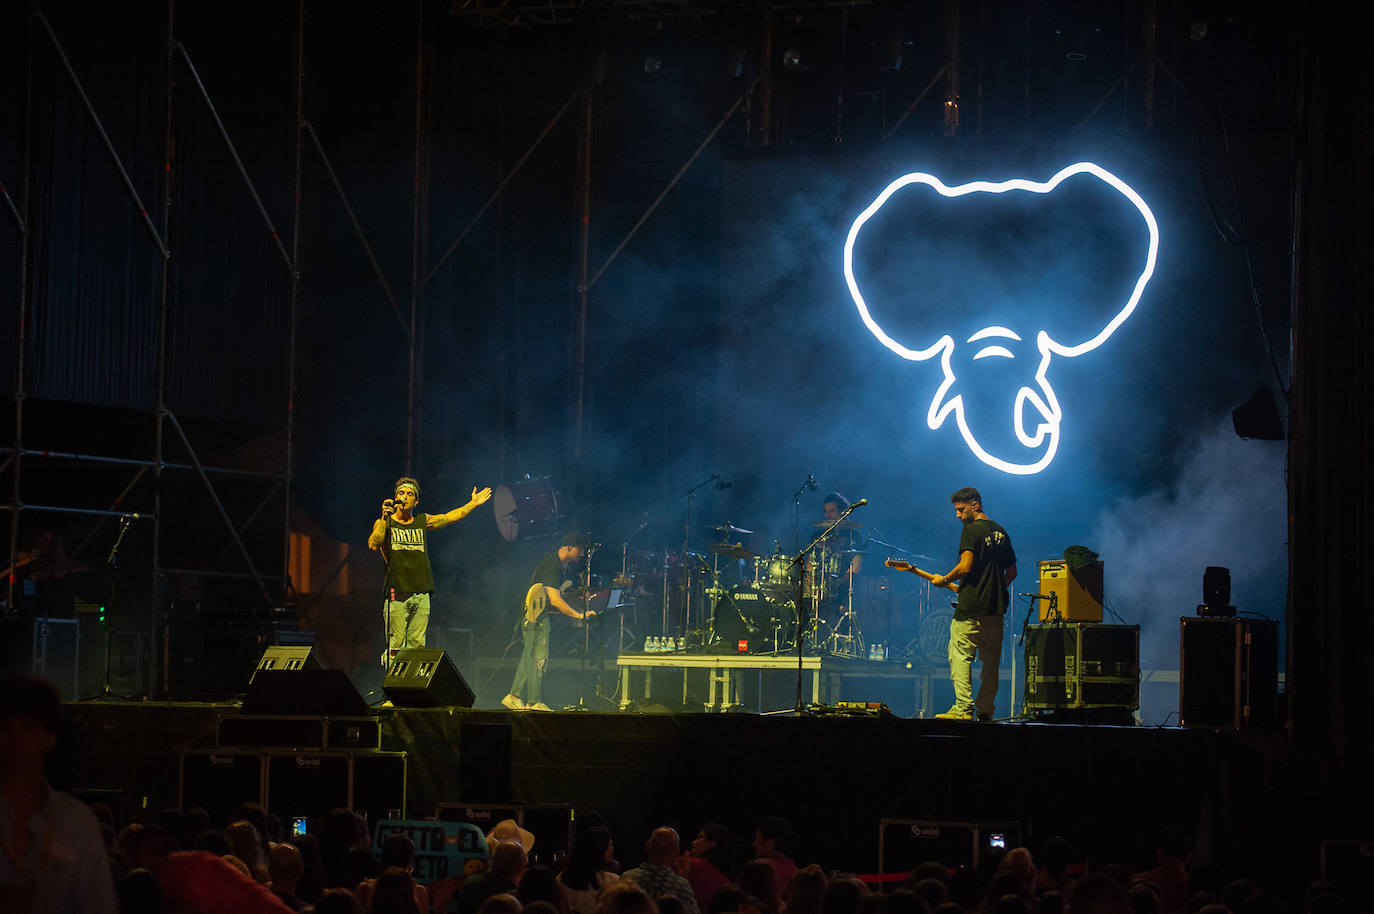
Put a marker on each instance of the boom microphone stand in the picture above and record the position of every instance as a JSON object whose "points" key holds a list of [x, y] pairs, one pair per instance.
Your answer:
{"points": [[810, 485], [125, 521], [800, 561], [586, 633]]}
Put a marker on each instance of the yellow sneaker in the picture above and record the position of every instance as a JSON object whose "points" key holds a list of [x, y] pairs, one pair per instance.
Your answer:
{"points": [[955, 714]]}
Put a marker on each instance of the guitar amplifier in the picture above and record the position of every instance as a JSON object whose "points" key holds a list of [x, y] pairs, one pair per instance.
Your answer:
{"points": [[1076, 596]]}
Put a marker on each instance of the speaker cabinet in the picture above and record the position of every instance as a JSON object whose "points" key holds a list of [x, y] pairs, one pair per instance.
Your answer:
{"points": [[905, 843], [294, 783], [1228, 673], [313, 783], [484, 761], [218, 781], [1079, 666], [1076, 596], [551, 823], [422, 677], [48, 648]]}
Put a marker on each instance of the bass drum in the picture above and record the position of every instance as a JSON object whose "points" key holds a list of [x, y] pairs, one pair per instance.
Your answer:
{"points": [[529, 508], [754, 616]]}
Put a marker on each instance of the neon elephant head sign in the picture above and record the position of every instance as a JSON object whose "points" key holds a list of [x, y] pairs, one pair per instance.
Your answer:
{"points": [[1036, 413]]}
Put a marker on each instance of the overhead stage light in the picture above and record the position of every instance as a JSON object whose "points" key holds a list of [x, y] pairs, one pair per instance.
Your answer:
{"points": [[1258, 417]]}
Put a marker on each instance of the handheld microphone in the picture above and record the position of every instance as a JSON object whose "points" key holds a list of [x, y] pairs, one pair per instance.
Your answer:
{"points": [[861, 502], [722, 485], [1038, 596], [811, 482]]}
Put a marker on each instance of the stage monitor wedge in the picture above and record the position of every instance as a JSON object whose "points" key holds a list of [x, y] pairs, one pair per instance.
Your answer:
{"points": [[291, 680], [287, 657], [423, 677]]}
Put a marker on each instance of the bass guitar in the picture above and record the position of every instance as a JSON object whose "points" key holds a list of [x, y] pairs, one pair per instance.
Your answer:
{"points": [[900, 565]]}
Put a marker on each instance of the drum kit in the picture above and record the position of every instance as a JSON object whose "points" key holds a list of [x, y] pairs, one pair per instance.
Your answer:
{"points": [[726, 597], [756, 612]]}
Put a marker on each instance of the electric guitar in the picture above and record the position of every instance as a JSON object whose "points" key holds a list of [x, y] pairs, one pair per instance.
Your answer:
{"points": [[907, 566]]}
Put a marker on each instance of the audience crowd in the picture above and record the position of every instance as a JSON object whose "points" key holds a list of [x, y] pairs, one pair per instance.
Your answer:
{"points": [[61, 855]]}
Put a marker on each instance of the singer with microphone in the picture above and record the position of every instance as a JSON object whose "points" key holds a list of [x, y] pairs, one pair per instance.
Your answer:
{"points": [[399, 534], [986, 568]]}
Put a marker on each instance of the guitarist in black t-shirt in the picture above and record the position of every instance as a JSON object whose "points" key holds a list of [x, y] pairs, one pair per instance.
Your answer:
{"points": [[545, 592], [986, 568]]}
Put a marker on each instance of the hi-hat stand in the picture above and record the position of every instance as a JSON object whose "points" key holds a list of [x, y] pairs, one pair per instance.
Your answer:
{"points": [[848, 622]]}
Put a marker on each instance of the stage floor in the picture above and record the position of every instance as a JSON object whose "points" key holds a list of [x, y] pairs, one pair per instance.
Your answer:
{"points": [[837, 778]]}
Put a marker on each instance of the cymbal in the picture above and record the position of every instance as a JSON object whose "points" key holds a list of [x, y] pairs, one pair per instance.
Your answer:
{"points": [[843, 552], [733, 550], [842, 525], [727, 527]]}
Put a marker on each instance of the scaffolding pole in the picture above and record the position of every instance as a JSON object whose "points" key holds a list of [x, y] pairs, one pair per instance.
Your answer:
{"points": [[162, 238]]}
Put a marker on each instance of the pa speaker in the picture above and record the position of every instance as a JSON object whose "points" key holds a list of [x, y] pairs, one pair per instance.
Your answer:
{"points": [[422, 677], [1228, 673], [291, 680]]}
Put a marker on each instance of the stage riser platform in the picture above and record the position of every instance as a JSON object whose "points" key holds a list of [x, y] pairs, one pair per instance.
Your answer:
{"points": [[1107, 788]]}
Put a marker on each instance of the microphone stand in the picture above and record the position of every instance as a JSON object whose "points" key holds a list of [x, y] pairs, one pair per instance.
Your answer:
{"points": [[800, 561], [809, 484], [125, 521], [626, 583], [586, 634], [686, 618], [1051, 613]]}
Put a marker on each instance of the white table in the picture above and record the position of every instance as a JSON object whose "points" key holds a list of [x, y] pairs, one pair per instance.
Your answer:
{"points": [[723, 671]]}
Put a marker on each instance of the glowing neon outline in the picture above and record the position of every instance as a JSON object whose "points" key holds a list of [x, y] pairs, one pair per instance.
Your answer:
{"points": [[1048, 406], [986, 332]]}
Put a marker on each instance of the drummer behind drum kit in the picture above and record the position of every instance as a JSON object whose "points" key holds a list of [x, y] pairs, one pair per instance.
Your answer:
{"points": [[758, 614]]}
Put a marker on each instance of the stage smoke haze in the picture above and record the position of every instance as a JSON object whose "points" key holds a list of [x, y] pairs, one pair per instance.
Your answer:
{"points": [[1225, 507]]}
